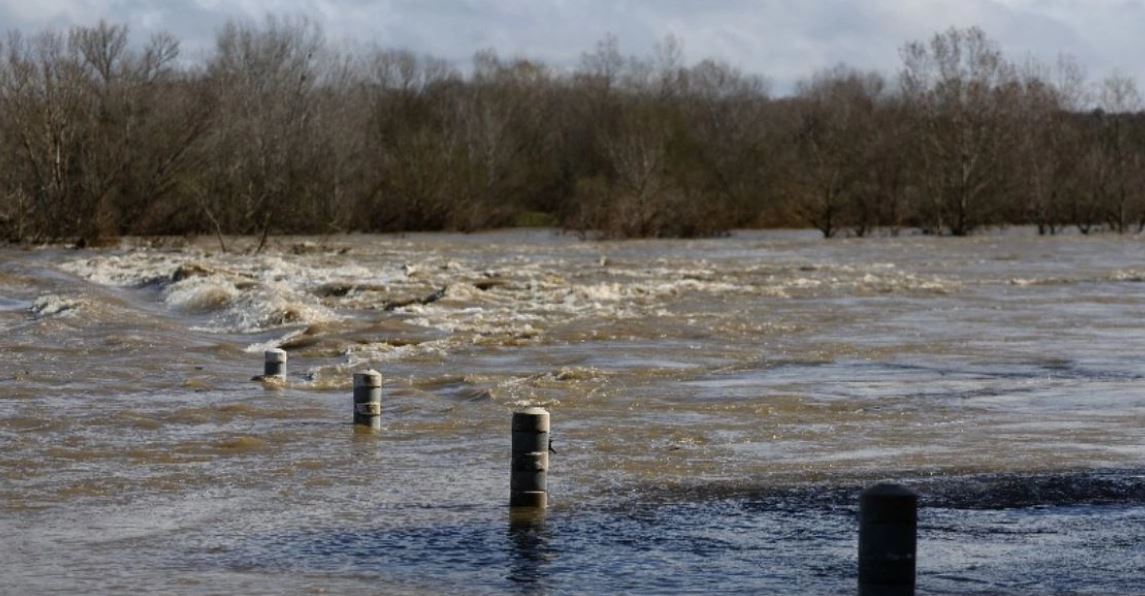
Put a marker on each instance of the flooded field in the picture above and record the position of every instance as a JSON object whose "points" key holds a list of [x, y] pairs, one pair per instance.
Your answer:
{"points": [[716, 405]]}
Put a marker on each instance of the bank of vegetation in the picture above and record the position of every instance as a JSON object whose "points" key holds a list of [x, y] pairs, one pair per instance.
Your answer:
{"points": [[278, 131]]}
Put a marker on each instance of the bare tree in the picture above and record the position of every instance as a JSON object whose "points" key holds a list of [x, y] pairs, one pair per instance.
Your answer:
{"points": [[836, 111], [411, 150], [276, 131], [634, 201], [265, 80], [1115, 160], [956, 83], [728, 142], [1045, 150]]}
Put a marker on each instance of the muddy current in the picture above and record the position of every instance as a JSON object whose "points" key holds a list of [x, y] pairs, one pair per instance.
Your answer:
{"points": [[717, 405]]}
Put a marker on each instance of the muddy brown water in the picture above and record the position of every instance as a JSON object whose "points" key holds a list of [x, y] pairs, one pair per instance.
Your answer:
{"points": [[716, 407]]}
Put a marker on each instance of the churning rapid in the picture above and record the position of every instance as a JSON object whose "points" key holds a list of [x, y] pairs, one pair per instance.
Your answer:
{"points": [[715, 404]]}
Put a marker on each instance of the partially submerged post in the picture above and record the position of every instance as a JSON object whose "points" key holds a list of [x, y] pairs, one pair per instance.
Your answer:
{"points": [[275, 364], [888, 535], [368, 399], [530, 465]]}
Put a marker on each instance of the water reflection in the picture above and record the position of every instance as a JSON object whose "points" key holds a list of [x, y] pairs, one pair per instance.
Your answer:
{"points": [[367, 432], [530, 550]]}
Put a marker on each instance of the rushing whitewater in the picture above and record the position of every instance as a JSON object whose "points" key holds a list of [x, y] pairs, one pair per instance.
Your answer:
{"points": [[715, 403]]}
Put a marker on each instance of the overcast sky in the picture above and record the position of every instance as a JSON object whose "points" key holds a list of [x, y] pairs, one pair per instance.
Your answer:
{"points": [[783, 40]]}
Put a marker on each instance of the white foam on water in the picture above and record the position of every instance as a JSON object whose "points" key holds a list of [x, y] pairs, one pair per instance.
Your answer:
{"points": [[511, 298], [1127, 275], [130, 269], [53, 304], [201, 294], [271, 344], [382, 352], [1119, 276], [266, 308], [243, 293]]}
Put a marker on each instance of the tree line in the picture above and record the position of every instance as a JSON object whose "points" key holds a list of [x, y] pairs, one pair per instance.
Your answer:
{"points": [[278, 131]]}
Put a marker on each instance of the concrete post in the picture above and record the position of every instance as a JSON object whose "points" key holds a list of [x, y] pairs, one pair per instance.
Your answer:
{"points": [[368, 399], [274, 366], [888, 535], [530, 464]]}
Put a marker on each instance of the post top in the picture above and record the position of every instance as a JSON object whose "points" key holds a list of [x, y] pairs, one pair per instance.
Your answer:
{"points": [[275, 355], [531, 419], [889, 489], [369, 378], [886, 503]]}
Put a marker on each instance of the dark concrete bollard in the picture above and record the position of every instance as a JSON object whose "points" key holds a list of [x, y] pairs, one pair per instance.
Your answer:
{"points": [[368, 399], [888, 536], [274, 366], [530, 465]]}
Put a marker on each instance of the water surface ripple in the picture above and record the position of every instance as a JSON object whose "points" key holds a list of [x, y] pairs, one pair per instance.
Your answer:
{"points": [[717, 406]]}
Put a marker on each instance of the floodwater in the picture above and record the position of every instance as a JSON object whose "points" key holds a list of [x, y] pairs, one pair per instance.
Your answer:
{"points": [[717, 405]]}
